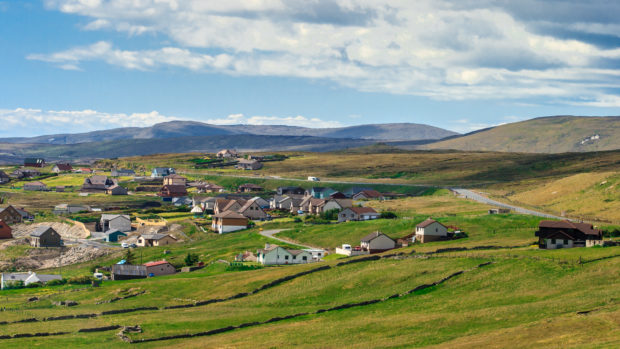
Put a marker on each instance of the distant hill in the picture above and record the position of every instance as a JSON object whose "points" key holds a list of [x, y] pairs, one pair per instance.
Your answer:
{"points": [[176, 129], [14, 153], [553, 134]]}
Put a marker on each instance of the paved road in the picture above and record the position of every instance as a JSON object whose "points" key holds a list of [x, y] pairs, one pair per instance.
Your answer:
{"points": [[485, 200], [272, 232]]}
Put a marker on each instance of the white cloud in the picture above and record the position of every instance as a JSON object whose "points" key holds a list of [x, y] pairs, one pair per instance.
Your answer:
{"points": [[298, 120], [19, 122], [442, 49]]}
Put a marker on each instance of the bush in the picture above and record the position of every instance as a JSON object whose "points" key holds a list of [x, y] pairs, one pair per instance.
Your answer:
{"points": [[14, 285], [80, 280], [611, 233], [297, 220], [330, 215], [388, 215], [56, 282], [34, 285], [191, 259]]}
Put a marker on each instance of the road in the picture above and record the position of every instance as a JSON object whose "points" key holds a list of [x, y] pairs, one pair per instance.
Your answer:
{"points": [[468, 194], [270, 234]]}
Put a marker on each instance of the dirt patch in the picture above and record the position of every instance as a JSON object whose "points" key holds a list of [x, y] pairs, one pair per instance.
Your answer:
{"points": [[44, 258], [67, 231]]}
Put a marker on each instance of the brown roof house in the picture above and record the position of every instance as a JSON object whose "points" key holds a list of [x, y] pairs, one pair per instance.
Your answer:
{"points": [[45, 236], [223, 205], [210, 188], [228, 221], [172, 191], [98, 184], [377, 242], [368, 194], [5, 231], [357, 214], [430, 230], [249, 187], [59, 168], [252, 210], [151, 240], [175, 179], [35, 186], [10, 215], [245, 164], [566, 234], [116, 190], [159, 268]]}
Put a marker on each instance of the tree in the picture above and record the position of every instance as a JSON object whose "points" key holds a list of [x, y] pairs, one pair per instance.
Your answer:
{"points": [[191, 259], [130, 258], [387, 215]]}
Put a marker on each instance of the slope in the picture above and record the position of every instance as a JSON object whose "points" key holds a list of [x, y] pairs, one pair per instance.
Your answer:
{"points": [[555, 134]]}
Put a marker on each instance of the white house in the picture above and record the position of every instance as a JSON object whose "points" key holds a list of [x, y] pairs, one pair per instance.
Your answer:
{"points": [[228, 221], [27, 278], [317, 253], [377, 242], [358, 214], [276, 255], [430, 230], [347, 250]]}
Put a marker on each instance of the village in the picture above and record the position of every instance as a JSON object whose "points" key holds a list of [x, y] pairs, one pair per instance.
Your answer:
{"points": [[214, 209]]}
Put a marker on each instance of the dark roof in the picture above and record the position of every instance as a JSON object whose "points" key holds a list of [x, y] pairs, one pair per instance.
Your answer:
{"points": [[64, 167], [34, 160], [585, 228], [251, 186], [373, 236], [427, 222], [180, 189], [229, 214], [370, 193], [40, 230]]}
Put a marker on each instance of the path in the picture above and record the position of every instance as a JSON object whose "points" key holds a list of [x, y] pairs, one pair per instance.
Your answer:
{"points": [[468, 194], [272, 232]]}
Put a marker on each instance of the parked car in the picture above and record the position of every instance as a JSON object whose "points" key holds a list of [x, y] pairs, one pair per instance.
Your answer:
{"points": [[313, 179], [133, 245], [125, 245]]}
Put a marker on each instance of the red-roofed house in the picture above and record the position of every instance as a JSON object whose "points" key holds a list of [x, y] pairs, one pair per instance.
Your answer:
{"points": [[159, 268], [5, 231], [357, 214], [566, 234]]}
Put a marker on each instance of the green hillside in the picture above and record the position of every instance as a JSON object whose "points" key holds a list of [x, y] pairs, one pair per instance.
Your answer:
{"points": [[554, 134]]}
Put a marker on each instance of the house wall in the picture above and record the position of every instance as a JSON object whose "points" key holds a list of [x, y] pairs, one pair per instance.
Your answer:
{"points": [[5, 231], [120, 223], [165, 241], [281, 256], [347, 214], [254, 212], [223, 229], [381, 243], [428, 238], [434, 229], [48, 239], [163, 269], [330, 205], [553, 244]]}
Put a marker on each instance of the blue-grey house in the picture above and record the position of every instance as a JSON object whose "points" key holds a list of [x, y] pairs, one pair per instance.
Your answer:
{"points": [[162, 172], [113, 235]]}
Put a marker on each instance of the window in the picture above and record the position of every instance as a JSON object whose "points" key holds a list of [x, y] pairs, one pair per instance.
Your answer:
{"points": [[304, 258], [286, 257], [565, 242], [553, 241], [294, 257]]}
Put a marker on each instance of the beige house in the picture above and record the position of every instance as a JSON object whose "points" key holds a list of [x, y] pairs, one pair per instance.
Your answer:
{"points": [[377, 242], [357, 214], [228, 221], [35, 186], [227, 153], [223, 205], [337, 204], [175, 179], [430, 230], [152, 240]]}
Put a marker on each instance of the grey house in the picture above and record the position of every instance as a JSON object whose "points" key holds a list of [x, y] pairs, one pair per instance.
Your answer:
{"points": [[45, 236], [112, 222]]}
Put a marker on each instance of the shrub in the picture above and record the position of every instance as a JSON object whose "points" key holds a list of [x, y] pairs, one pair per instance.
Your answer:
{"points": [[330, 215], [80, 280], [56, 282], [191, 259], [297, 220], [34, 285], [388, 215], [14, 285]]}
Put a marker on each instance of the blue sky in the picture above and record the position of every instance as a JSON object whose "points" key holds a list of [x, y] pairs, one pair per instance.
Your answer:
{"points": [[81, 65]]}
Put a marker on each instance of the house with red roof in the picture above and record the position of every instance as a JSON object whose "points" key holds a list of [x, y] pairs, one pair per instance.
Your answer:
{"points": [[5, 231], [159, 268], [567, 234]]}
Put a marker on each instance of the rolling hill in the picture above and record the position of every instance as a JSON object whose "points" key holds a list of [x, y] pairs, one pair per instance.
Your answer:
{"points": [[554, 134], [176, 129]]}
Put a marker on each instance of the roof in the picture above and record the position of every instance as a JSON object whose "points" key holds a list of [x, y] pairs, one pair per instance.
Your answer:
{"points": [[428, 222], [370, 193], [175, 176], [64, 167], [33, 160], [153, 264], [156, 236], [247, 204], [40, 230], [373, 236], [98, 179], [229, 214], [109, 217], [250, 185], [585, 228], [362, 210], [174, 188]]}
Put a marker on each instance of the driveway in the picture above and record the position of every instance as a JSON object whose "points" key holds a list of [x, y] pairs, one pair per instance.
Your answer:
{"points": [[468, 194], [270, 234]]}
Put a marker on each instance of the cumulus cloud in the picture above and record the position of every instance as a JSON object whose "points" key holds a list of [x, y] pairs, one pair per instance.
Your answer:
{"points": [[18, 122], [442, 49]]}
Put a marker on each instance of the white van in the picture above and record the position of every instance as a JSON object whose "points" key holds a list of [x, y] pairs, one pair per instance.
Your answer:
{"points": [[313, 179]]}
